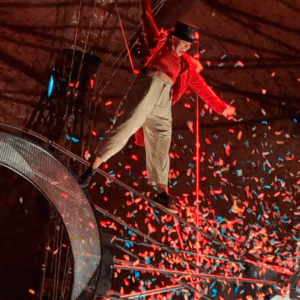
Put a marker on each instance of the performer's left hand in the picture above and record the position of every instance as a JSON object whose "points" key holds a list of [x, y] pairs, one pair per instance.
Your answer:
{"points": [[229, 112]]}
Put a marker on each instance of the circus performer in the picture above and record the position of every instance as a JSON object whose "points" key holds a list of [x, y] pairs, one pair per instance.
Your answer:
{"points": [[167, 72]]}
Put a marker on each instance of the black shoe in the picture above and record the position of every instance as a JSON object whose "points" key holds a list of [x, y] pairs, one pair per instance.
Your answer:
{"points": [[167, 201], [86, 177]]}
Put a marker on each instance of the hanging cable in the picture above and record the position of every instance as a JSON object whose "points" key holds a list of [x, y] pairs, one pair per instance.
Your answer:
{"points": [[124, 37], [197, 166], [59, 261], [155, 11], [86, 42], [75, 42], [44, 272], [56, 267], [66, 274]]}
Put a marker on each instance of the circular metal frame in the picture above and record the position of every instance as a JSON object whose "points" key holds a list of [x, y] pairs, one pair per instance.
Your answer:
{"points": [[60, 187]]}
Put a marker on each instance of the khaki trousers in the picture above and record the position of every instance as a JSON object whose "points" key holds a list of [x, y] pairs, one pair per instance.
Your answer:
{"points": [[148, 105]]}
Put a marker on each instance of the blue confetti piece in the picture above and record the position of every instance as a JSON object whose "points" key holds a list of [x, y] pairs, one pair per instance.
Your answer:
{"points": [[214, 292], [156, 216], [285, 219], [148, 260], [219, 219], [132, 233], [128, 244]]}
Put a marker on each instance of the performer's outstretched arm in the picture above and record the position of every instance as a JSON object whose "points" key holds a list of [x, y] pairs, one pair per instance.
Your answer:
{"points": [[199, 86], [151, 32]]}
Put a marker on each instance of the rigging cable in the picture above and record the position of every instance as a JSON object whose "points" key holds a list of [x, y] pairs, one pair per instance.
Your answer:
{"points": [[124, 37], [86, 42], [155, 11], [197, 164], [75, 41]]}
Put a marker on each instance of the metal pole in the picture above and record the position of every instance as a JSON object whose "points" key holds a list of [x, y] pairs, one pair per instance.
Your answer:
{"points": [[184, 273], [166, 289]]}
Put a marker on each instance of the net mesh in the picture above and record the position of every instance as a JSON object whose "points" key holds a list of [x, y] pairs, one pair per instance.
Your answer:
{"points": [[62, 190]]}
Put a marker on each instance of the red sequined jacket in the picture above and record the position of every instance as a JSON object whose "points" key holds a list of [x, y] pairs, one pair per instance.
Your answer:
{"points": [[189, 75]]}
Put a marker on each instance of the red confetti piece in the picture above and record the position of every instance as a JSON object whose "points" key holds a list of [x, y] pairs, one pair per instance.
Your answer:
{"points": [[92, 225], [134, 157]]}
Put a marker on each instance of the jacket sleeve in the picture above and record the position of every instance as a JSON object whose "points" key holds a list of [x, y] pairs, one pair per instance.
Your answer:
{"points": [[200, 87], [151, 32]]}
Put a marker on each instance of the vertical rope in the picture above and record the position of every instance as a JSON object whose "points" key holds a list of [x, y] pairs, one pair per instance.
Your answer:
{"points": [[124, 37], [155, 11], [86, 41], [55, 282], [59, 259], [75, 42], [44, 272], [197, 169], [65, 274]]}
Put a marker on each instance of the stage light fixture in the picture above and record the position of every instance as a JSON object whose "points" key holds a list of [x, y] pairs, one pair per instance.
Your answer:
{"points": [[54, 83], [50, 86]]}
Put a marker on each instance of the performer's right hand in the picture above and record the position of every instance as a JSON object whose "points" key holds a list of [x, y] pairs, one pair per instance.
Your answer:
{"points": [[230, 111]]}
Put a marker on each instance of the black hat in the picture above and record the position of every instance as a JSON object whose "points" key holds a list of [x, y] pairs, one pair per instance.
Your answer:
{"points": [[186, 32]]}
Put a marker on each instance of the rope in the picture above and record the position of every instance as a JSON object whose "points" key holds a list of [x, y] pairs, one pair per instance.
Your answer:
{"points": [[86, 41], [124, 37], [75, 41], [155, 11], [44, 275], [197, 164]]}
